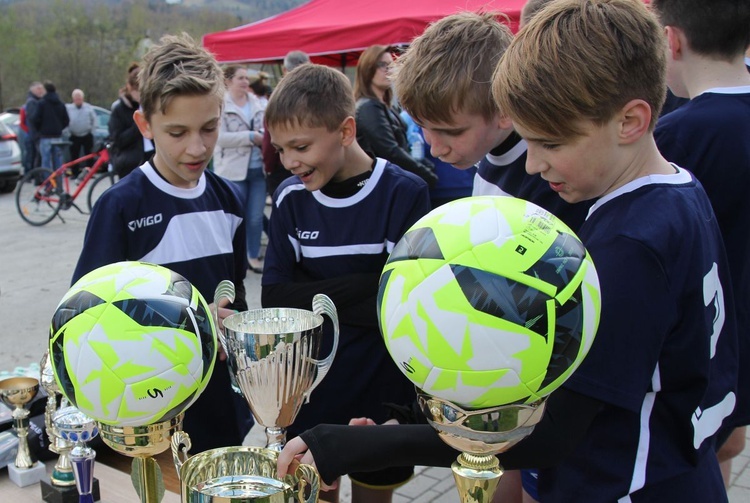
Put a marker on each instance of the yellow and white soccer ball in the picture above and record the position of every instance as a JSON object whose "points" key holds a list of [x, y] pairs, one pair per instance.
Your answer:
{"points": [[132, 344], [489, 301]]}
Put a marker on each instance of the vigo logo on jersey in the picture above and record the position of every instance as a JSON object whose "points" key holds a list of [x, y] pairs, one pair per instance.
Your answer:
{"points": [[307, 234], [145, 221]]}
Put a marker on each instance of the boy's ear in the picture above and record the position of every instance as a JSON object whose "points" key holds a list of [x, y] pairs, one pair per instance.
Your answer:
{"points": [[634, 121], [143, 126], [675, 41], [504, 122], [348, 131]]}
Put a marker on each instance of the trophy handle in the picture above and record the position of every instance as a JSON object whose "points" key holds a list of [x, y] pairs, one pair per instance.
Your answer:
{"points": [[323, 305], [180, 447], [224, 290], [307, 475]]}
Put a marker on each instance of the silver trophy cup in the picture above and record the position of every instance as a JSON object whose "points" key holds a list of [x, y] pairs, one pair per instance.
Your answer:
{"points": [[273, 357]]}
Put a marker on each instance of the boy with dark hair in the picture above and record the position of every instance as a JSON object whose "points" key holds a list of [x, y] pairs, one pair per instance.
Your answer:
{"points": [[331, 230], [173, 212], [709, 136], [637, 420], [444, 81]]}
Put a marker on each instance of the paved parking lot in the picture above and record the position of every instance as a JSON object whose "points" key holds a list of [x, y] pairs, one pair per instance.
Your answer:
{"points": [[36, 264]]}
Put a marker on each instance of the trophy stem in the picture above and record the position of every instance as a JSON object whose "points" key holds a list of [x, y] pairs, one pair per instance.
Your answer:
{"points": [[21, 423], [147, 479], [477, 477], [275, 438], [83, 464]]}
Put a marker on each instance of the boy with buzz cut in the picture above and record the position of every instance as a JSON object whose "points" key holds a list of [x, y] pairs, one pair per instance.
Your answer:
{"points": [[444, 82], [583, 83], [173, 212], [709, 136], [332, 228]]}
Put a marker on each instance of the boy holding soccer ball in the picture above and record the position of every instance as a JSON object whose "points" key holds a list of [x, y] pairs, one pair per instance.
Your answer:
{"points": [[331, 230], [583, 83], [174, 213]]}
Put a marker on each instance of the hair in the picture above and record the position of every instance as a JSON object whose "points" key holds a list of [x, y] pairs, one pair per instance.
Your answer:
{"points": [[449, 67], [582, 60], [177, 66], [530, 8], [311, 96], [34, 84], [366, 68], [77, 92], [49, 86], [231, 70], [259, 87], [132, 75], [719, 28], [293, 59]]}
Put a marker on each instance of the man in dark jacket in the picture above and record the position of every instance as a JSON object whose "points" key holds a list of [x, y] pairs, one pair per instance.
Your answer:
{"points": [[49, 120], [31, 152]]}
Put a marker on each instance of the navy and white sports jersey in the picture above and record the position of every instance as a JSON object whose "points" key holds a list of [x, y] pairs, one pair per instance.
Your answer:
{"points": [[503, 173], [198, 233], [710, 136], [195, 232], [664, 361], [317, 237]]}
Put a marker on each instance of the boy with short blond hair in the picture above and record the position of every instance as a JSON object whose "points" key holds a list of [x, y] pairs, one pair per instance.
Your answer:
{"points": [[173, 212], [331, 230], [637, 421], [444, 81]]}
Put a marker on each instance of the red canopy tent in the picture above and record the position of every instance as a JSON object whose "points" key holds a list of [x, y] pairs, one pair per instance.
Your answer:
{"points": [[334, 32]]}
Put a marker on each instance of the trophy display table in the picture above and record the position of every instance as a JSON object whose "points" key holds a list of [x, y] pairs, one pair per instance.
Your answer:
{"points": [[115, 486]]}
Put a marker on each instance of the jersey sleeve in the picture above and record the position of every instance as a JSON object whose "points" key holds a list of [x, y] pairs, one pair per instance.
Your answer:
{"points": [[635, 318], [105, 240]]}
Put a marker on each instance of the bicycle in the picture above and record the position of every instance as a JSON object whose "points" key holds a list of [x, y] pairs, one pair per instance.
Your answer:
{"points": [[43, 193]]}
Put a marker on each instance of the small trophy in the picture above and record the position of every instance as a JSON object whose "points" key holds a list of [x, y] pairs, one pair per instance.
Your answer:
{"points": [[272, 355], [61, 486], [240, 475], [16, 392], [479, 435], [77, 428]]}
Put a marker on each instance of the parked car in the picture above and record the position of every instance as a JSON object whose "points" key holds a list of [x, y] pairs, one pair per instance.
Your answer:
{"points": [[10, 159]]}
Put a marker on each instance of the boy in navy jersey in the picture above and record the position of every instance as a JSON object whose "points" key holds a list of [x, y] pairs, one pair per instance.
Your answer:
{"points": [[173, 212], [638, 420], [710, 136], [332, 228], [444, 81]]}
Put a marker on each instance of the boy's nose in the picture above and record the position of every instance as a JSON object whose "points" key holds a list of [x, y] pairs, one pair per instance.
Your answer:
{"points": [[196, 147], [534, 164]]}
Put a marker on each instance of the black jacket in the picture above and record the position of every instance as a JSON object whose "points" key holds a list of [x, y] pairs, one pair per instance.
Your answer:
{"points": [[126, 148], [381, 131], [49, 117]]}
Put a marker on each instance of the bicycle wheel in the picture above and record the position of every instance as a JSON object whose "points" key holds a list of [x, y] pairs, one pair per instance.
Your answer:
{"points": [[98, 186], [37, 198]]}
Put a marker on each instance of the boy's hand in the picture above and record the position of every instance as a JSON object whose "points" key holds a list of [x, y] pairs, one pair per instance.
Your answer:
{"points": [[295, 452], [219, 316]]}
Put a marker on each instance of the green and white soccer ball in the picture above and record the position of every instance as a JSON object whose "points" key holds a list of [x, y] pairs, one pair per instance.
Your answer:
{"points": [[132, 344], [489, 301]]}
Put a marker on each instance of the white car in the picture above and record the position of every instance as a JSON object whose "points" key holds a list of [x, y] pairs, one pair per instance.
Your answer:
{"points": [[10, 159]]}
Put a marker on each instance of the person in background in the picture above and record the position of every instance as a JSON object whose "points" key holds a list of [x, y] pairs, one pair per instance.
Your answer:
{"points": [[129, 149], [710, 136], [239, 156], [31, 141], [81, 127], [380, 129], [275, 172], [49, 119]]}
